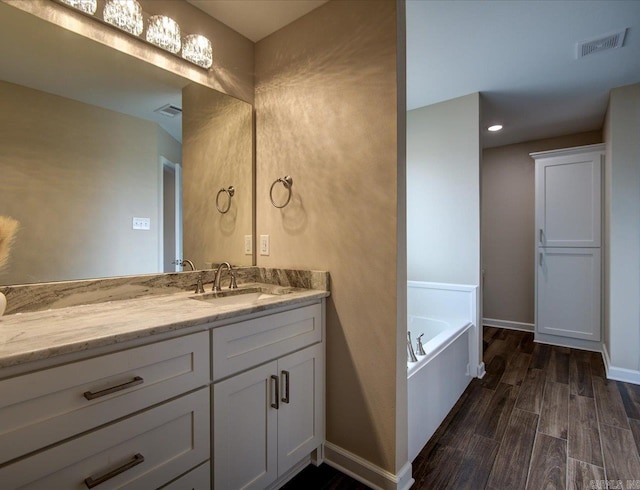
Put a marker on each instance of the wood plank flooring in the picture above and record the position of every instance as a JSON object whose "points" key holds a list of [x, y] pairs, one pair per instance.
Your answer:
{"points": [[553, 421], [543, 417]]}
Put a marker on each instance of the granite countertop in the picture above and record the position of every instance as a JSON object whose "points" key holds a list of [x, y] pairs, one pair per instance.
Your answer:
{"points": [[26, 337]]}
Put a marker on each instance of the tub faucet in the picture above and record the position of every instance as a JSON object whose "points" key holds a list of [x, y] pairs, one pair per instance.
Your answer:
{"points": [[218, 276], [419, 347], [410, 354]]}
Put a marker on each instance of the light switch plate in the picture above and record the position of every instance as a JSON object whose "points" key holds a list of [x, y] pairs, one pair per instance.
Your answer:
{"points": [[141, 223], [248, 245], [264, 244]]}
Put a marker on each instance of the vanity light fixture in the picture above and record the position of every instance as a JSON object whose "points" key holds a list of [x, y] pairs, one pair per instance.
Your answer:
{"points": [[197, 49], [164, 32], [87, 6], [125, 15], [495, 127]]}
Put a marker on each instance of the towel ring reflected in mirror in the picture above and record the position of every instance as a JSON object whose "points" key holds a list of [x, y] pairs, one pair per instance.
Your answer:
{"points": [[287, 182], [229, 192]]}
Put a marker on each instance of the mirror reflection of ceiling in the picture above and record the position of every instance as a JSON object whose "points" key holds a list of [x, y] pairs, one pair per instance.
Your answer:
{"points": [[89, 72], [521, 56]]}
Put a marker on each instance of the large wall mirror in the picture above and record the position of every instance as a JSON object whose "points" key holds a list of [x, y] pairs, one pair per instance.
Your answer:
{"points": [[112, 165]]}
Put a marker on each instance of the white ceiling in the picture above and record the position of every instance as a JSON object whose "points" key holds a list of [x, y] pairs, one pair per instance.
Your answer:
{"points": [[256, 19], [521, 56]]}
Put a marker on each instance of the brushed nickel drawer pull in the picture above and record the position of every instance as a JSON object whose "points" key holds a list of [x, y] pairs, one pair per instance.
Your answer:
{"points": [[286, 375], [94, 482], [276, 405], [90, 395]]}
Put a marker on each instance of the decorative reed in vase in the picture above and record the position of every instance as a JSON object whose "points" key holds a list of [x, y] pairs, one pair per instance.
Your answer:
{"points": [[8, 229]]}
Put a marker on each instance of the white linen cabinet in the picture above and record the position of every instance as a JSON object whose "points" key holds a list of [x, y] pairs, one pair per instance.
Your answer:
{"points": [[568, 244]]}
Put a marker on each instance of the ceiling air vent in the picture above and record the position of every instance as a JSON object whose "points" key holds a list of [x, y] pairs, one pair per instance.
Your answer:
{"points": [[603, 43], [169, 110]]}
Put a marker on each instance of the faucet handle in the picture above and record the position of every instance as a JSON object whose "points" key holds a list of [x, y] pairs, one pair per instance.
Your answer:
{"points": [[199, 285], [234, 284], [419, 347]]}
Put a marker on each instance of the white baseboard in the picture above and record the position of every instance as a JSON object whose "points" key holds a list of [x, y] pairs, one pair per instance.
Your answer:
{"points": [[618, 373], [582, 344], [492, 322], [366, 472], [481, 371]]}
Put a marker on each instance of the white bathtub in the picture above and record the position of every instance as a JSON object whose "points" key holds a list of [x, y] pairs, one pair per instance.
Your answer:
{"points": [[437, 379]]}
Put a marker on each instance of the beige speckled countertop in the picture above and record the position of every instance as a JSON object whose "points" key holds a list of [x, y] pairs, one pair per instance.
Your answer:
{"points": [[26, 337]]}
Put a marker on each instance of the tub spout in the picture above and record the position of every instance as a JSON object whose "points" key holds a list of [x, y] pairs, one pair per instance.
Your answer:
{"points": [[419, 347], [410, 354]]}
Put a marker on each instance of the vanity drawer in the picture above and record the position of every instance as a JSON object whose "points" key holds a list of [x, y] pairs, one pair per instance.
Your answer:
{"points": [[240, 346], [44, 407], [142, 452], [197, 479]]}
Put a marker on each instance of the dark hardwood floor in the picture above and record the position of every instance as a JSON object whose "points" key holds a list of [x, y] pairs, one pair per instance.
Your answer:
{"points": [[543, 417]]}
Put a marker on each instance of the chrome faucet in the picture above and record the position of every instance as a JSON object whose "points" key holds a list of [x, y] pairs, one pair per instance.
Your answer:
{"points": [[218, 276], [182, 263], [410, 354]]}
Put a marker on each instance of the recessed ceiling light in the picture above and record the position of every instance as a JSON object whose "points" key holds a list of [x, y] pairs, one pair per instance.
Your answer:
{"points": [[495, 127]]}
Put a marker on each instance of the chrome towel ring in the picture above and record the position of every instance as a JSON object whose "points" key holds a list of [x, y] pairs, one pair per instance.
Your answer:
{"points": [[230, 192], [287, 182]]}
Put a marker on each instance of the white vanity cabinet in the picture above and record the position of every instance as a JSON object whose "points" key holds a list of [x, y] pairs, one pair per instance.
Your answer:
{"points": [[144, 451], [267, 418], [230, 404], [75, 415]]}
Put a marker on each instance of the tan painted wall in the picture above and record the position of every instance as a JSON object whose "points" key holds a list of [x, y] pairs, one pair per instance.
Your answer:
{"points": [[327, 114], [622, 237], [443, 192], [508, 225], [217, 153], [75, 182]]}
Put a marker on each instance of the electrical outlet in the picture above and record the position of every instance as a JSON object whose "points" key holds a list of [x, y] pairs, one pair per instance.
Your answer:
{"points": [[248, 245], [141, 223], [264, 244]]}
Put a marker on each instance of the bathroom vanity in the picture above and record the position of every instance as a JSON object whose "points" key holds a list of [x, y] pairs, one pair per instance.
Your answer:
{"points": [[164, 391]]}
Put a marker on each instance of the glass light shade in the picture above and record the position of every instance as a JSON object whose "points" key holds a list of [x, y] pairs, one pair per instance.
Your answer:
{"points": [[164, 32], [87, 6], [125, 15], [197, 49]]}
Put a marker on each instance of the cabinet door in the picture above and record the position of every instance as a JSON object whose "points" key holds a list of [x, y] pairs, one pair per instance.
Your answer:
{"points": [[301, 413], [568, 288], [245, 430], [568, 200]]}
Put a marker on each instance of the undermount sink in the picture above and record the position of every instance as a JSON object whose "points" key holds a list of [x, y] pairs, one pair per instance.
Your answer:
{"points": [[237, 297]]}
